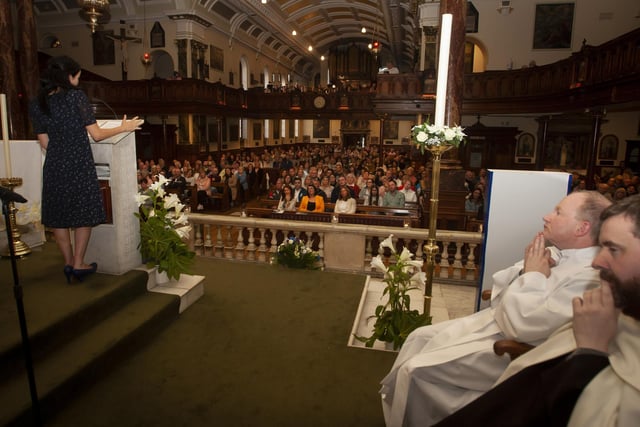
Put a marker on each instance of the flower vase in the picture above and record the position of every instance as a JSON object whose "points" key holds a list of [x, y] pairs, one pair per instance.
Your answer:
{"points": [[161, 277]]}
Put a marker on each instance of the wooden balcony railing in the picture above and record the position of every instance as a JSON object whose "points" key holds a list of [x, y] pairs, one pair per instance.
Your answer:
{"points": [[594, 76]]}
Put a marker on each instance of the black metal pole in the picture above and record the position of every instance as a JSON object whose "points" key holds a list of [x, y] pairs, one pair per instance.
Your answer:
{"points": [[17, 293]]}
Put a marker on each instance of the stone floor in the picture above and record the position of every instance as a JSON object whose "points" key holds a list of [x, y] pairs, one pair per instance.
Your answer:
{"points": [[452, 301], [447, 302]]}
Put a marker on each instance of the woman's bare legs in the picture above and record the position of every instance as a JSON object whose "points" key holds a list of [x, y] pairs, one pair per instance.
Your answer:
{"points": [[81, 238], [74, 258], [63, 239]]}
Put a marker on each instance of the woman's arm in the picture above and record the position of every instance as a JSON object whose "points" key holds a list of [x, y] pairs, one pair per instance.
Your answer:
{"points": [[303, 204], [351, 203], [43, 140], [319, 204], [98, 133]]}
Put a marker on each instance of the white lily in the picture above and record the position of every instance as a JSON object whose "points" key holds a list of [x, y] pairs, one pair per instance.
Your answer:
{"points": [[180, 220], [418, 279], [378, 264], [171, 201], [388, 243], [405, 255], [141, 199], [183, 232]]}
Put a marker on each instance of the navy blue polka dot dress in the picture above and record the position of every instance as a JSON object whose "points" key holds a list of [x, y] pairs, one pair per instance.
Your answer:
{"points": [[70, 190]]}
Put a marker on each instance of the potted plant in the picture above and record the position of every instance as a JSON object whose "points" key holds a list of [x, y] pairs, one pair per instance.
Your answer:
{"points": [[395, 319], [164, 229], [294, 253]]}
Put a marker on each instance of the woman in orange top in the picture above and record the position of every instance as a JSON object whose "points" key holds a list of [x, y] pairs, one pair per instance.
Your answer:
{"points": [[311, 202]]}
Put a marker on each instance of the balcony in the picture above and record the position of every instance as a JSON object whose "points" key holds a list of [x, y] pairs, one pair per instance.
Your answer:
{"points": [[598, 76]]}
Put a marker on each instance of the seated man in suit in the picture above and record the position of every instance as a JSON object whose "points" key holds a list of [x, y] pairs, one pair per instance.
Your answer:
{"points": [[442, 367], [587, 373]]}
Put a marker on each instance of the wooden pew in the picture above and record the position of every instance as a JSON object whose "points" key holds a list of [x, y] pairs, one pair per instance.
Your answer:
{"points": [[357, 218], [451, 213], [219, 201], [410, 210]]}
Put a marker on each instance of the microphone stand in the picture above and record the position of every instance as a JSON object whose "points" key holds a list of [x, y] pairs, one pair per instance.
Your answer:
{"points": [[17, 292]]}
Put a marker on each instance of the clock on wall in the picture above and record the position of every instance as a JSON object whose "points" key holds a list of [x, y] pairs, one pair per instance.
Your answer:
{"points": [[319, 101]]}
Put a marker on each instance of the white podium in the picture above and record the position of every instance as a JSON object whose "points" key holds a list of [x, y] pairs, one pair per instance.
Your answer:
{"points": [[114, 246]]}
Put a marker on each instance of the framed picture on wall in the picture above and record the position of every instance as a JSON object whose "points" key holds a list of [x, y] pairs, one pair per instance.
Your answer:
{"points": [[216, 58], [553, 26], [390, 129], [608, 147], [321, 128], [525, 148]]}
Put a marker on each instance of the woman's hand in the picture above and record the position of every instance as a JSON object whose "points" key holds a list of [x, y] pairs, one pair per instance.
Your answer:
{"points": [[131, 125]]}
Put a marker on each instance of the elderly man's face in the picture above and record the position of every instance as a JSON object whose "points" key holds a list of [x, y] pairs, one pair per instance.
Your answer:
{"points": [[618, 263], [561, 224]]}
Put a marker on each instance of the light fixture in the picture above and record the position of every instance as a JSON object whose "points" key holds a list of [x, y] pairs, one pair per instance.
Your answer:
{"points": [[310, 48], [375, 46], [294, 33], [145, 58], [322, 58], [96, 12], [263, 1], [504, 7], [363, 30]]}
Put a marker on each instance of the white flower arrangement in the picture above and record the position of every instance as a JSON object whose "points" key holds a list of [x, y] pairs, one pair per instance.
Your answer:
{"points": [[164, 227], [294, 253], [429, 135], [395, 320]]}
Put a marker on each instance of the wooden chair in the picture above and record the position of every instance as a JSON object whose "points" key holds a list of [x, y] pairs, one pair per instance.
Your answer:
{"points": [[511, 347]]}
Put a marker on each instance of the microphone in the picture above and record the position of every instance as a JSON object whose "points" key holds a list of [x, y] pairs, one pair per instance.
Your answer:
{"points": [[94, 100], [6, 195]]}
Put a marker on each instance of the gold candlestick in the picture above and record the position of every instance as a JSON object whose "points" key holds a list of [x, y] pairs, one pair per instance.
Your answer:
{"points": [[21, 249], [431, 248]]}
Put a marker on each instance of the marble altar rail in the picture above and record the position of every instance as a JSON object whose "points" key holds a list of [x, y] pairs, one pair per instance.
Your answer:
{"points": [[346, 247]]}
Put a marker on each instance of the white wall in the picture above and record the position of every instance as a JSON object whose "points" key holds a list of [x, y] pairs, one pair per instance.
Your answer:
{"points": [[509, 38]]}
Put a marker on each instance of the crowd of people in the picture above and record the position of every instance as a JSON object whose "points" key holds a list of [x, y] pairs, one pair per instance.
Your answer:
{"points": [[399, 181], [300, 179]]}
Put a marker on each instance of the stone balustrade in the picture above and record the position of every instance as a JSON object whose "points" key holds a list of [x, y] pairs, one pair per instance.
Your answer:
{"points": [[344, 247]]}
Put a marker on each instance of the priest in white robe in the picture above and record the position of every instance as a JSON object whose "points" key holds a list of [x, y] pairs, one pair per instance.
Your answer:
{"points": [[442, 367], [587, 374]]}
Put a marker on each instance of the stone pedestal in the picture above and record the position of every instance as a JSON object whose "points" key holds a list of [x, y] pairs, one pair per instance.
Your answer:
{"points": [[343, 251], [115, 246]]}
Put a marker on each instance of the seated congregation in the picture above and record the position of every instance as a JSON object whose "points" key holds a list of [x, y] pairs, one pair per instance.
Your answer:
{"points": [[564, 300]]}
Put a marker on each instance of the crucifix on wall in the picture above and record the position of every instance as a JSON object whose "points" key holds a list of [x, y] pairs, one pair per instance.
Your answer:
{"points": [[124, 39]]}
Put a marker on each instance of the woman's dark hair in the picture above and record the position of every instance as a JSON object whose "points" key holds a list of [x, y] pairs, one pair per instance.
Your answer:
{"points": [[56, 76], [340, 193], [315, 190]]}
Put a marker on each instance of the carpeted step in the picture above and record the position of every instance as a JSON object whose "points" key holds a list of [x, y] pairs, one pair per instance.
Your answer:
{"points": [[87, 357], [56, 313]]}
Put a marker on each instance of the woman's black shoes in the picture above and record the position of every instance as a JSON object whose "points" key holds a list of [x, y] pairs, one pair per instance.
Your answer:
{"points": [[68, 272], [82, 273]]}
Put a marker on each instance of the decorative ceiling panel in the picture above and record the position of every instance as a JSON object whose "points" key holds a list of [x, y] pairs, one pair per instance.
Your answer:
{"points": [[323, 24]]}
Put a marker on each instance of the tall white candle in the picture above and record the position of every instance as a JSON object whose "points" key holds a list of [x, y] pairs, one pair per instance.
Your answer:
{"points": [[5, 135], [443, 68]]}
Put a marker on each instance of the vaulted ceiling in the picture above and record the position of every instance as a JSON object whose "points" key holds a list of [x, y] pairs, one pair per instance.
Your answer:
{"points": [[322, 24]]}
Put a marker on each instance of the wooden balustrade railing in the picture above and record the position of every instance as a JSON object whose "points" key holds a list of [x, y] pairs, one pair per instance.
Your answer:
{"points": [[608, 73], [256, 240]]}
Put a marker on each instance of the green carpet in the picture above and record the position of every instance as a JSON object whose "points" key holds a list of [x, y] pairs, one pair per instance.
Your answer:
{"points": [[265, 346]]}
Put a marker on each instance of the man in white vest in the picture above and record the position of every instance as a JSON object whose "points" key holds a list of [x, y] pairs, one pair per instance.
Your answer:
{"points": [[442, 367], [587, 374]]}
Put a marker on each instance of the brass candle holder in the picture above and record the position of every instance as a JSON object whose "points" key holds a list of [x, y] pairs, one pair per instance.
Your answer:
{"points": [[21, 249], [431, 248]]}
